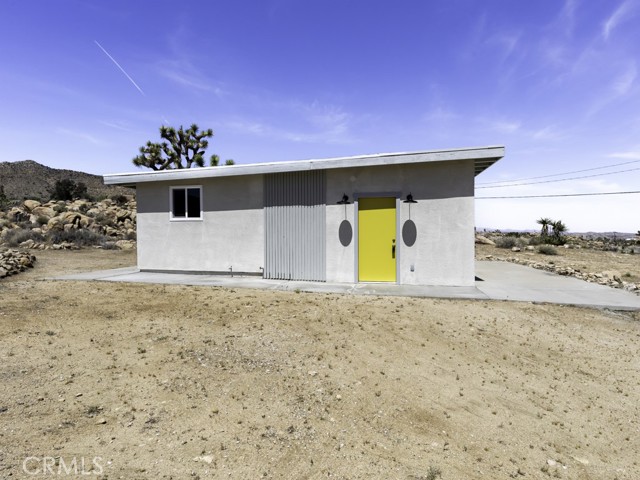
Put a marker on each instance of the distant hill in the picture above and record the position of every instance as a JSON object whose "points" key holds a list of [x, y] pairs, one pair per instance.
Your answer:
{"points": [[29, 179]]}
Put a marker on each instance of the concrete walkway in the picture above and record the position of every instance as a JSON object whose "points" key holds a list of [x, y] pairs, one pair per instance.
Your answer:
{"points": [[495, 281]]}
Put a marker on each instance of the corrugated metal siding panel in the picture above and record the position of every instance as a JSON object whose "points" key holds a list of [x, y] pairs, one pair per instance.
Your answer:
{"points": [[295, 226]]}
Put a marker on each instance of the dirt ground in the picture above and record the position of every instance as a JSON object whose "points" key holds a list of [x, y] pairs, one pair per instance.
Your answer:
{"points": [[160, 382]]}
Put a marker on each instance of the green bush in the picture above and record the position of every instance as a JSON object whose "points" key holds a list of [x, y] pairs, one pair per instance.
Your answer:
{"points": [[67, 189], [547, 250], [42, 220], [506, 242], [119, 199]]}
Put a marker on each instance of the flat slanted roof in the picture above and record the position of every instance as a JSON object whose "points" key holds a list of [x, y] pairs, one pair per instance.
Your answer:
{"points": [[483, 158]]}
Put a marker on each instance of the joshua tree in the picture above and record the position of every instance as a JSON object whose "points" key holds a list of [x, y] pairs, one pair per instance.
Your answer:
{"points": [[180, 149], [558, 229], [214, 161], [546, 223]]}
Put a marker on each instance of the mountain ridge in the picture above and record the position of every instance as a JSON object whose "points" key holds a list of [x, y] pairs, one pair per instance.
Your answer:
{"points": [[28, 179]]}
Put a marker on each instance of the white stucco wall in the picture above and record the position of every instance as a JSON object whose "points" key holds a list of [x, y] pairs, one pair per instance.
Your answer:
{"points": [[231, 233], [443, 253]]}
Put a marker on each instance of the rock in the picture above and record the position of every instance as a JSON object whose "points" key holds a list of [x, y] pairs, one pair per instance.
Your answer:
{"points": [[101, 421], [516, 249], [204, 458], [3, 272], [44, 211], [27, 243], [484, 240], [126, 244], [29, 205], [530, 248], [55, 224]]}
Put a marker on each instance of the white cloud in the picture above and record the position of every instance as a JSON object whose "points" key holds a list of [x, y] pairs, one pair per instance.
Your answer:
{"points": [[621, 14], [620, 86], [626, 155], [624, 82]]}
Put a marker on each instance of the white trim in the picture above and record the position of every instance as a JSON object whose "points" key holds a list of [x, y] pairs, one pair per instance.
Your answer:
{"points": [[483, 158], [186, 218]]}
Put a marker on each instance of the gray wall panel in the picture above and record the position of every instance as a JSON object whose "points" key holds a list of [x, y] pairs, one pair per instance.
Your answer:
{"points": [[295, 226]]}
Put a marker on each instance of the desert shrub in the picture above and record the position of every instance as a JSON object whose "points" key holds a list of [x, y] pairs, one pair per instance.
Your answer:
{"points": [[82, 238], [17, 236], [547, 250], [103, 219], [60, 208], [119, 199], [522, 242], [41, 220], [109, 245], [84, 208], [506, 242], [67, 189], [4, 200]]}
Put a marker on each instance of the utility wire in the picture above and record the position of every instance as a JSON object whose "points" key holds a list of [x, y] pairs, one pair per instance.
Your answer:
{"points": [[559, 174], [562, 195], [560, 179]]}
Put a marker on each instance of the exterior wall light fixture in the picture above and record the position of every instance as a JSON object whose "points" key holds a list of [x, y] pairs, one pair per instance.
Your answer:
{"points": [[409, 199], [345, 200]]}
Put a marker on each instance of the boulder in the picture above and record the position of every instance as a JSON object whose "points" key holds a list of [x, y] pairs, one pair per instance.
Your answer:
{"points": [[29, 205], [55, 223], [126, 244], [44, 211], [481, 240]]}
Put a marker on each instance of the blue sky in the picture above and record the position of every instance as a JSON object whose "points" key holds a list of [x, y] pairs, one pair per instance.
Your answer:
{"points": [[554, 81]]}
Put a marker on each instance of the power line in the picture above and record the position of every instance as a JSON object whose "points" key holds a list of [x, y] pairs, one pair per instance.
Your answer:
{"points": [[561, 195], [561, 179], [560, 174]]}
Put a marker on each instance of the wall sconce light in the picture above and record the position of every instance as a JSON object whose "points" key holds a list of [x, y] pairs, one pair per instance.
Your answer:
{"points": [[409, 199], [345, 200]]}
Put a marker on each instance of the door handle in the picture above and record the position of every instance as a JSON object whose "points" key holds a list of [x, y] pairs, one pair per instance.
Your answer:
{"points": [[393, 248]]}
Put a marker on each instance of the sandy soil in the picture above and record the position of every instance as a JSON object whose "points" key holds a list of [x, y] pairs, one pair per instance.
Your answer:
{"points": [[190, 382]]}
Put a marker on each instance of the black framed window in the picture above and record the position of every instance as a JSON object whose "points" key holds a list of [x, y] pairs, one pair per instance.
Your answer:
{"points": [[186, 203]]}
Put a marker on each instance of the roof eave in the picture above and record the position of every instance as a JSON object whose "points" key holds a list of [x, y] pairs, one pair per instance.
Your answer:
{"points": [[483, 158]]}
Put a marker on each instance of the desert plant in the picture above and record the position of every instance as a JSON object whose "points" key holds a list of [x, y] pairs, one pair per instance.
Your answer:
{"points": [[67, 189], [81, 238], [119, 199], [547, 250], [15, 237], [506, 242], [545, 223], [179, 149], [558, 228], [433, 473], [41, 220], [4, 201]]}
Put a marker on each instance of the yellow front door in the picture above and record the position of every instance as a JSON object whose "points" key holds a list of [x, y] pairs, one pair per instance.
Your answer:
{"points": [[377, 239]]}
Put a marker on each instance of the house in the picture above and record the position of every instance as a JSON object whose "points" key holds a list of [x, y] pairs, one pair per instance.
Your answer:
{"points": [[405, 218]]}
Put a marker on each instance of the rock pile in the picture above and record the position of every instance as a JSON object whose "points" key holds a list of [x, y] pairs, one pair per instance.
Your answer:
{"points": [[107, 223], [15, 261], [610, 279]]}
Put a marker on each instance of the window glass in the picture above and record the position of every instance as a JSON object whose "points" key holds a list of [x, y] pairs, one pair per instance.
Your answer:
{"points": [[193, 202], [179, 202]]}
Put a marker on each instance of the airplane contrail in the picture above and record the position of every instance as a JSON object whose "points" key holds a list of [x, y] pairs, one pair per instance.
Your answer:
{"points": [[121, 69]]}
